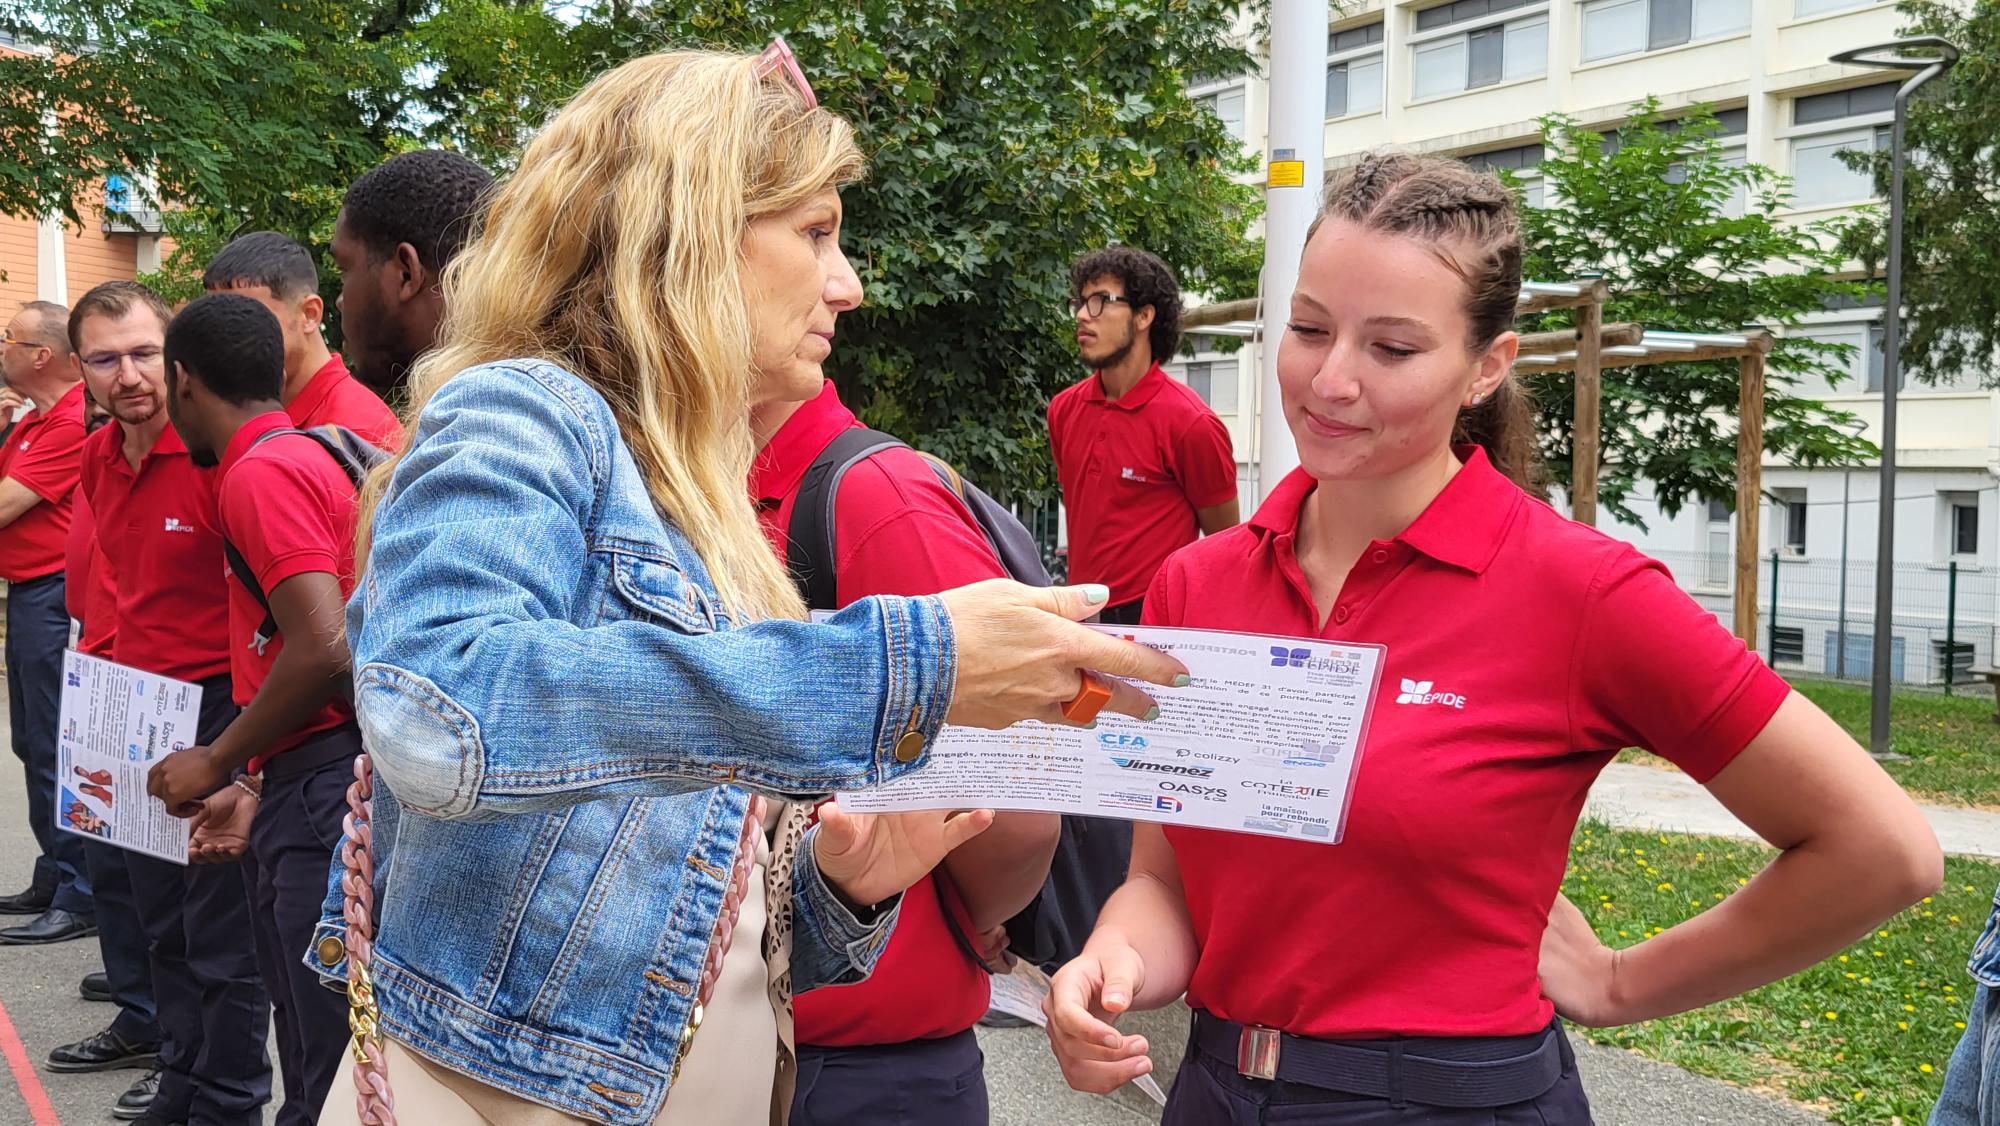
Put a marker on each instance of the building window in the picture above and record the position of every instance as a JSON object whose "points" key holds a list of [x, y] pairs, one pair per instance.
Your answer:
{"points": [[1804, 8], [1793, 503], [1866, 364], [1523, 161], [1472, 43], [1625, 27], [1733, 127], [1825, 125], [1878, 362], [1718, 565], [1225, 103], [1215, 382], [1964, 528], [1354, 71]]}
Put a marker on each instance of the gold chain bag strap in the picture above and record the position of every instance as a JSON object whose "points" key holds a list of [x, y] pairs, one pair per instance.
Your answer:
{"points": [[375, 1103]]}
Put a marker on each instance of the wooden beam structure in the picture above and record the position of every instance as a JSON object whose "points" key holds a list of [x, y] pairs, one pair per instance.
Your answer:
{"points": [[1687, 356], [1749, 488], [1562, 340], [1220, 313], [1584, 429]]}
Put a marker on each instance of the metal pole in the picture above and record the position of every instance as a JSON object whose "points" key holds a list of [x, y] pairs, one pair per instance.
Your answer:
{"points": [[1772, 649], [1840, 635], [1296, 169], [1950, 624], [1892, 56]]}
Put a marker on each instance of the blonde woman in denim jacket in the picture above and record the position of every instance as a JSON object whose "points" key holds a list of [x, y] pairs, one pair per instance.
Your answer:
{"points": [[576, 658]]}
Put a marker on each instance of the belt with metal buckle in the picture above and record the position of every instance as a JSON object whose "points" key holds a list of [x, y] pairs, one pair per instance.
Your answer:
{"points": [[1400, 1070]]}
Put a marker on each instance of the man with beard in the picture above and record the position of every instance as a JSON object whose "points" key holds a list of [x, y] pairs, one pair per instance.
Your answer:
{"points": [[1146, 467], [399, 226]]}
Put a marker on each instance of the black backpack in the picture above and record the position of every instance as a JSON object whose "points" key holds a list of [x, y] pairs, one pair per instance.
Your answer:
{"points": [[1092, 855], [356, 456]]}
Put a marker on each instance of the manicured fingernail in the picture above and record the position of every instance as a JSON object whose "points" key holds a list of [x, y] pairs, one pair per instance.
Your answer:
{"points": [[1095, 593], [1183, 680], [1152, 713], [1114, 998]]}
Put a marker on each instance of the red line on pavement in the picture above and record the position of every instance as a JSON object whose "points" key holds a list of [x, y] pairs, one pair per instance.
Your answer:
{"points": [[40, 1109]]}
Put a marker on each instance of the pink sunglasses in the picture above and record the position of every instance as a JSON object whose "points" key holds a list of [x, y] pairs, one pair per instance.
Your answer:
{"points": [[778, 57]]}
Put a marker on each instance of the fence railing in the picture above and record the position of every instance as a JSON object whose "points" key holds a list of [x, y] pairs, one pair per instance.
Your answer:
{"points": [[1816, 616]]}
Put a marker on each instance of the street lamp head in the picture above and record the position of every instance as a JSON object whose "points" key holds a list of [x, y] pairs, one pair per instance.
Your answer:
{"points": [[1916, 53]]}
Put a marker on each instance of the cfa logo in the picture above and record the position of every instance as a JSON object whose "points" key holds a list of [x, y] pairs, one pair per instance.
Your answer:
{"points": [[1165, 804], [175, 525], [1108, 739], [1419, 692], [1164, 767], [1209, 793]]}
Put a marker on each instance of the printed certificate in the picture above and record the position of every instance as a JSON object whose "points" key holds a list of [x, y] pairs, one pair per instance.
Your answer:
{"points": [[116, 723], [1266, 739]]}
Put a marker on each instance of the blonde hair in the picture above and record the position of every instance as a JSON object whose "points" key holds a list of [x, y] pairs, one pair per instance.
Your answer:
{"points": [[615, 251]]}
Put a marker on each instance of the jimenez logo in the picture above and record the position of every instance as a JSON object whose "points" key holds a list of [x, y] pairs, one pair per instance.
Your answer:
{"points": [[1419, 692], [174, 524], [1164, 768]]}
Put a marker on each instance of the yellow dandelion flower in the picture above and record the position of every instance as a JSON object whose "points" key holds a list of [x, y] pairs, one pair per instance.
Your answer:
{"points": [[1902, 1026], [1909, 1008], [1843, 957], [1665, 887], [1831, 1015], [1925, 1068], [1851, 976], [1960, 1024]]}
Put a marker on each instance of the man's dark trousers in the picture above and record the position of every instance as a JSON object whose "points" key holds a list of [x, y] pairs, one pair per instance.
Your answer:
{"points": [[121, 938], [37, 634], [292, 843], [213, 1012]]}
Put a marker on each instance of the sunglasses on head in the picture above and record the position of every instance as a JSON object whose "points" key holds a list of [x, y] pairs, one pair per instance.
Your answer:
{"points": [[778, 59]]}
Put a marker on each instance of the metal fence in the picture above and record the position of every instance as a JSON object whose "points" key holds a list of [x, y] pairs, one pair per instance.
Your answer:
{"points": [[1943, 624]]}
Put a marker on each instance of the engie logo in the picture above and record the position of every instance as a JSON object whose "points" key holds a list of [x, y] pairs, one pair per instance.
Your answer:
{"points": [[1419, 692], [1164, 768], [174, 525]]}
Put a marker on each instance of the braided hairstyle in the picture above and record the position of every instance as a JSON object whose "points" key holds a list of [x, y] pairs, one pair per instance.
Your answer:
{"points": [[1468, 220]]}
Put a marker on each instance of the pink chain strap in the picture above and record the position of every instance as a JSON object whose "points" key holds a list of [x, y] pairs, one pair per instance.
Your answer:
{"points": [[373, 1102]]}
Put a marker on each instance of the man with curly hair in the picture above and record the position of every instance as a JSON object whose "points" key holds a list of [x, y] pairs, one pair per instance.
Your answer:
{"points": [[1146, 467]]}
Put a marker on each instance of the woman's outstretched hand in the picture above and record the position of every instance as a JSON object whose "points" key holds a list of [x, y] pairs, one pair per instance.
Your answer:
{"points": [[1021, 654], [868, 857]]}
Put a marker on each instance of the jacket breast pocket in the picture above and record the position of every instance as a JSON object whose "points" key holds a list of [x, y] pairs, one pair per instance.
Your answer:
{"points": [[651, 590]]}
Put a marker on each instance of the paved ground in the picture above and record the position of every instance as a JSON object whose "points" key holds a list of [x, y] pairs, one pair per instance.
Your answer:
{"points": [[1645, 797]]}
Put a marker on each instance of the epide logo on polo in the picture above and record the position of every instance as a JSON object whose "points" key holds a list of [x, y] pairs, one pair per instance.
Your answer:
{"points": [[174, 524], [1419, 692]]}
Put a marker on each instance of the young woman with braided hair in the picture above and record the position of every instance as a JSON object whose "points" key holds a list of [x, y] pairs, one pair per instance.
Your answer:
{"points": [[1414, 971]]}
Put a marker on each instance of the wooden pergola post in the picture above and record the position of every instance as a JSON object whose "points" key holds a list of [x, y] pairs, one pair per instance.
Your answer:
{"points": [[1749, 490], [1586, 426]]}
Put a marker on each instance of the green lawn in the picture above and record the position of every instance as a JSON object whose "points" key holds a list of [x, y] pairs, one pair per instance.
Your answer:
{"points": [[1862, 1038], [1952, 741]]}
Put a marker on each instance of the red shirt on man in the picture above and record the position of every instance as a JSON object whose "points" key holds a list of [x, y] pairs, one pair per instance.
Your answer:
{"points": [[289, 509], [1523, 652], [897, 530], [332, 397], [1134, 471], [87, 592], [45, 453], [156, 528]]}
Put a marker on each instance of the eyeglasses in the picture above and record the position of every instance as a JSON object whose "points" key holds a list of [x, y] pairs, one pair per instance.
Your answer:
{"points": [[1095, 303], [108, 363], [778, 58]]}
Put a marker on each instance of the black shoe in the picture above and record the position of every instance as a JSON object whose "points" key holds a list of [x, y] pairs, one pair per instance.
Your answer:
{"points": [[34, 901], [95, 987], [105, 1051], [138, 1098], [51, 925]]}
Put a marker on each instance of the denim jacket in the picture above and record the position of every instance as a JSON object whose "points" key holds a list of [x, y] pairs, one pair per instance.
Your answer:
{"points": [[1985, 963], [562, 722]]}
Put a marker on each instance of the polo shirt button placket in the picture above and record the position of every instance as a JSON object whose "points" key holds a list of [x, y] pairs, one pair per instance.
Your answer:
{"points": [[1340, 615], [1381, 555]]}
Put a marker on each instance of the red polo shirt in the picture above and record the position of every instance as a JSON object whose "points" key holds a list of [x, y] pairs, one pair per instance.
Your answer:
{"points": [[334, 398], [156, 528], [897, 530], [1134, 470], [45, 453], [290, 510], [87, 593], [1524, 650]]}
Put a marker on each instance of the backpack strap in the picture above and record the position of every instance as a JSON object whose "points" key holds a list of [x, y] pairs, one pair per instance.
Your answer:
{"points": [[810, 552], [240, 567]]}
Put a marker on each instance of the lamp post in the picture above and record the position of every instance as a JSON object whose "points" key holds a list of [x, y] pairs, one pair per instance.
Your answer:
{"points": [[1929, 56]]}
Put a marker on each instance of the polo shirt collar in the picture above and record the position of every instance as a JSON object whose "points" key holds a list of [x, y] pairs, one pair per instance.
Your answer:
{"points": [[1462, 527], [72, 398], [1142, 392], [247, 435], [318, 389], [783, 461]]}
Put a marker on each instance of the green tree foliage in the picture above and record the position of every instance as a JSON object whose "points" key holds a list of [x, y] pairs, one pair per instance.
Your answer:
{"points": [[1651, 212], [1003, 140], [1951, 194]]}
